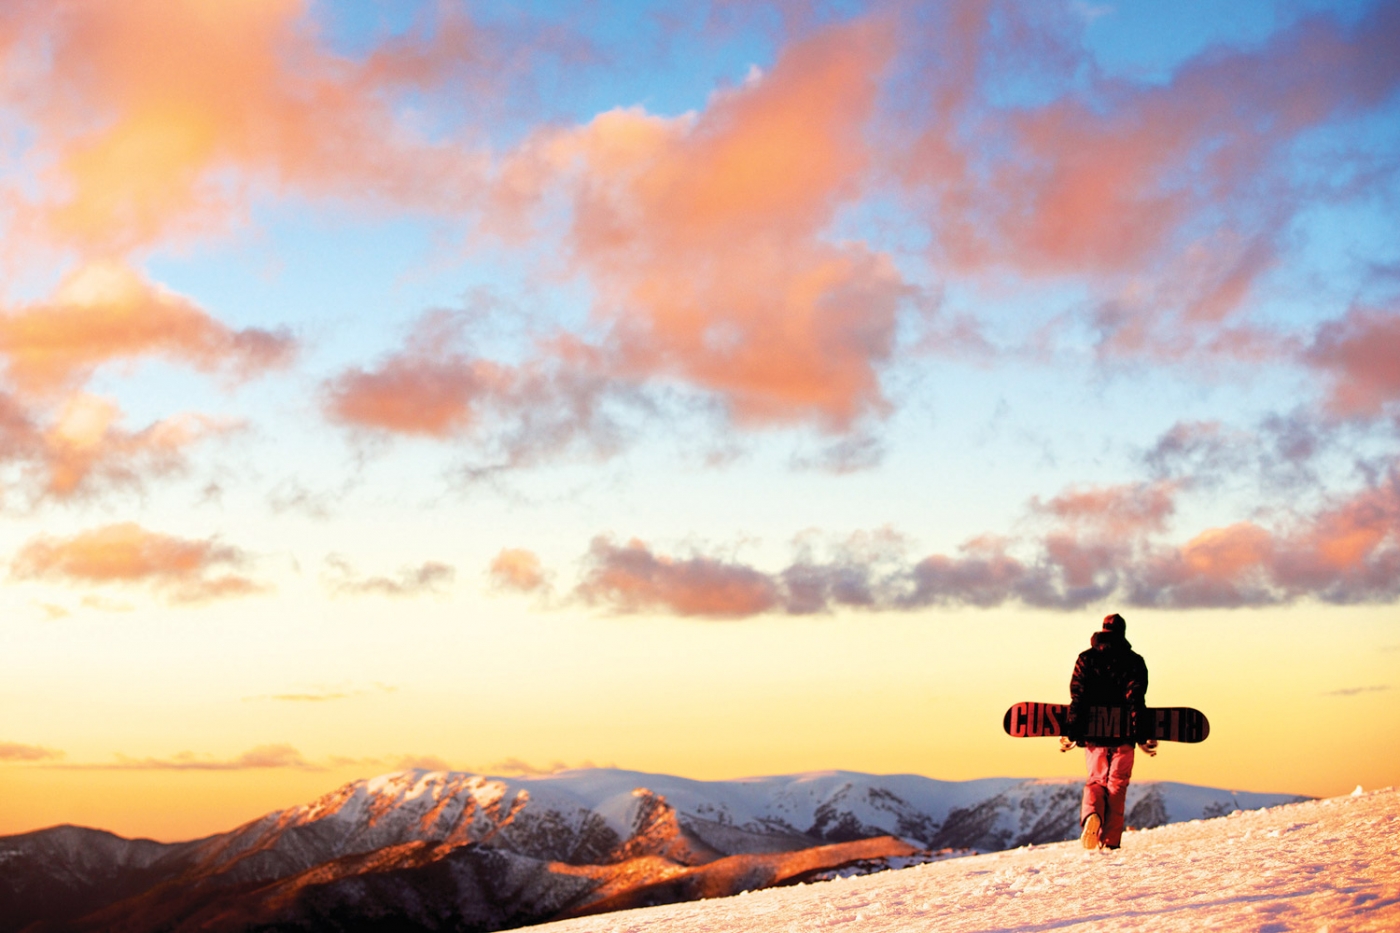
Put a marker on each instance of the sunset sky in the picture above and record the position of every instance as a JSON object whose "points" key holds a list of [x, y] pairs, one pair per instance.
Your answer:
{"points": [[716, 389]]}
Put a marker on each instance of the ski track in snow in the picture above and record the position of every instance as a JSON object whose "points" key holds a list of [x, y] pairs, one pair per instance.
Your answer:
{"points": [[1326, 866]]}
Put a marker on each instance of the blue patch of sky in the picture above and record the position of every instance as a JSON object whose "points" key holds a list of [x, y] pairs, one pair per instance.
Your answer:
{"points": [[1012, 311], [314, 272], [354, 28], [1349, 177], [1030, 58], [1339, 246], [884, 221], [582, 60], [1145, 40], [652, 55]]}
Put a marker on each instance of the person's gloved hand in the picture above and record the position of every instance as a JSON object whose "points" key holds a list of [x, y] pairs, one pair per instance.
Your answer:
{"points": [[1066, 743], [1150, 747]]}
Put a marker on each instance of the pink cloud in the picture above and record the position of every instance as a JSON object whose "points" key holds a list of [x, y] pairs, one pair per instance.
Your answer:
{"points": [[1116, 511], [1360, 353], [13, 751], [1100, 546], [1168, 197], [632, 578]]}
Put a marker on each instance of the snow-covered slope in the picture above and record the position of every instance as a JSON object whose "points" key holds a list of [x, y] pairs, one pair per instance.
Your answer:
{"points": [[1327, 865]]}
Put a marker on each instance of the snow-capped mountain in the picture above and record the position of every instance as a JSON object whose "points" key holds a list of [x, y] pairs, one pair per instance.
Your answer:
{"points": [[1320, 865], [501, 852]]}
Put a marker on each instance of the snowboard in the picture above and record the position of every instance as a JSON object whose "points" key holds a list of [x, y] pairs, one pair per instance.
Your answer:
{"points": [[1108, 723]]}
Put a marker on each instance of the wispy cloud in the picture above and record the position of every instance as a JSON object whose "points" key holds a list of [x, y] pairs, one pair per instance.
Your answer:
{"points": [[12, 751], [427, 578], [384, 763], [516, 767], [53, 611], [262, 757], [1356, 691]]}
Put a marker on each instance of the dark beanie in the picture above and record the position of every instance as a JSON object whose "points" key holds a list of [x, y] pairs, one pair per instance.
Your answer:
{"points": [[1114, 624]]}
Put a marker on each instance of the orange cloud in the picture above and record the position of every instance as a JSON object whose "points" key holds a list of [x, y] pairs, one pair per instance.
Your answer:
{"points": [[105, 311], [1223, 553], [705, 236], [155, 117], [83, 449], [519, 570], [183, 569], [706, 239], [71, 443]]}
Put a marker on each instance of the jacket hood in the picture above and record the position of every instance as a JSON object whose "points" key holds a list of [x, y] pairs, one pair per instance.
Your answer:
{"points": [[1109, 641]]}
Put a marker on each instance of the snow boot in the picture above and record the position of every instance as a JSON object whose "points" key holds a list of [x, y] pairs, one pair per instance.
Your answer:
{"points": [[1090, 836]]}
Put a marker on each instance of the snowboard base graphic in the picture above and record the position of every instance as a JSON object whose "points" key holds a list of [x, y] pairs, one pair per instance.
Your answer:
{"points": [[1108, 724]]}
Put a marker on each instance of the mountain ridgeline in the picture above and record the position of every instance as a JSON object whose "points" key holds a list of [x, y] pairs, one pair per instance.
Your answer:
{"points": [[439, 850]]}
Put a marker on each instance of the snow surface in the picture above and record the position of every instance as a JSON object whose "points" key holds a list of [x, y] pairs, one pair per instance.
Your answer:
{"points": [[1325, 866]]}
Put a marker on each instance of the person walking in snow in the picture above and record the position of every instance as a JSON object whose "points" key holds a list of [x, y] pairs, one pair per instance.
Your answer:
{"points": [[1110, 673]]}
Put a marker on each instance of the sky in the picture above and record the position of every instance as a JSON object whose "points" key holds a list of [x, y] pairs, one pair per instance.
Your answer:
{"points": [[715, 389]]}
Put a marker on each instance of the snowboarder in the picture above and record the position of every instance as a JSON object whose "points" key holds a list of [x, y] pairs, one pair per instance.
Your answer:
{"points": [[1110, 673]]}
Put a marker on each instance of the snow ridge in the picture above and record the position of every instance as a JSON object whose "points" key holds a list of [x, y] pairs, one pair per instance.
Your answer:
{"points": [[589, 812], [1326, 865]]}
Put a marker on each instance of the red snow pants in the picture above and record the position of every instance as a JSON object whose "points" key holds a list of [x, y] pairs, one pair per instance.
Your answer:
{"points": [[1105, 792]]}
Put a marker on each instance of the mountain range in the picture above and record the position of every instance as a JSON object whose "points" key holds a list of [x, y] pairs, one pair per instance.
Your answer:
{"points": [[442, 850]]}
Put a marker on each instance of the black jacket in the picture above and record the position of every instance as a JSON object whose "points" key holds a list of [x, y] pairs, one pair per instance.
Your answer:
{"points": [[1110, 673]]}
